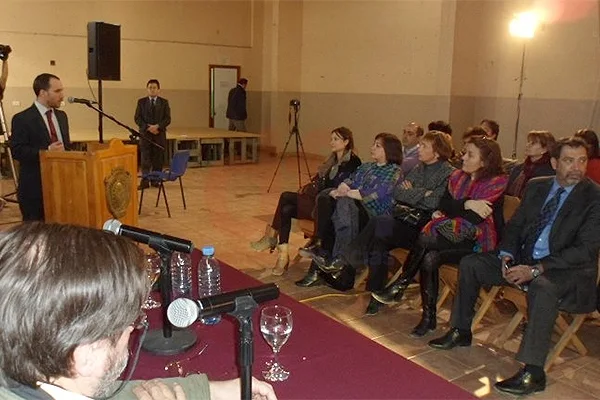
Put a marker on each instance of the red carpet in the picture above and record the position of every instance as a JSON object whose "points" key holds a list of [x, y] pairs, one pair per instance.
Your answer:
{"points": [[327, 360]]}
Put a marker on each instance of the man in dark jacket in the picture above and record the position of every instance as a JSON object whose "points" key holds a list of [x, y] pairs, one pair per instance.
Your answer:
{"points": [[40, 127], [236, 106], [551, 246], [152, 116]]}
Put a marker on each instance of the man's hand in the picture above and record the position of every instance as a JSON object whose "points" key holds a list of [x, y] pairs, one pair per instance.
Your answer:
{"points": [[56, 146], [227, 390], [334, 193], [480, 207], [517, 274], [153, 129], [157, 390]]}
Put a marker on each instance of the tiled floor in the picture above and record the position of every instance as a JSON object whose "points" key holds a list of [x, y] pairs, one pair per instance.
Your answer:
{"points": [[229, 206]]}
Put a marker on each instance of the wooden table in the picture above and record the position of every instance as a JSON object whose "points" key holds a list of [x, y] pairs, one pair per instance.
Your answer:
{"points": [[207, 146]]}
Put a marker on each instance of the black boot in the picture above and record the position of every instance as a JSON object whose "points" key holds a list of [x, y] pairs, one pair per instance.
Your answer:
{"points": [[341, 280], [373, 307], [311, 278], [309, 249], [394, 292], [429, 292]]}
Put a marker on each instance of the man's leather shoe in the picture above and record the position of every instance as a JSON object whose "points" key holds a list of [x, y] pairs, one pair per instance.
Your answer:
{"points": [[521, 383], [311, 279], [392, 294], [451, 339]]}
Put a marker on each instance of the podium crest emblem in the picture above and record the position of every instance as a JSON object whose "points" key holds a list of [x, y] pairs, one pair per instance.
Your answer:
{"points": [[117, 187]]}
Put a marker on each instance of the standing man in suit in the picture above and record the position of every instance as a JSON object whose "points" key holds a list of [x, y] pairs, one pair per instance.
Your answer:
{"points": [[40, 127], [551, 246], [236, 106], [152, 116]]}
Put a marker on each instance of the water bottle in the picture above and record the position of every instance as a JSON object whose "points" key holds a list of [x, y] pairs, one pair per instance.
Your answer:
{"points": [[209, 279], [181, 275]]}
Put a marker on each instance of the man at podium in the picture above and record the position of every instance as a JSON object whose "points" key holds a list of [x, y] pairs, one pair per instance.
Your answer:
{"points": [[40, 127]]}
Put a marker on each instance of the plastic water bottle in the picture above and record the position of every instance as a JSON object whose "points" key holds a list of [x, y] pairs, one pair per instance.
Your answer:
{"points": [[181, 275], [209, 279]]}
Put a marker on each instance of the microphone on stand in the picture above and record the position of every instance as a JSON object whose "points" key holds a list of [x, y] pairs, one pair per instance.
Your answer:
{"points": [[148, 237], [80, 101], [184, 312]]}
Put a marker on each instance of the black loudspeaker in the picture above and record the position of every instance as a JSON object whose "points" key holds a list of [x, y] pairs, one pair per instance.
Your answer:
{"points": [[104, 51]]}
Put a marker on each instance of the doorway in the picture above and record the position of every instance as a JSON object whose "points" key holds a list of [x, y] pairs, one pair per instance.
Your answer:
{"points": [[222, 78]]}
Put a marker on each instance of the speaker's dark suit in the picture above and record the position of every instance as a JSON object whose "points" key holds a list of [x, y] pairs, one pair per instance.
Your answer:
{"points": [[29, 136], [569, 279], [152, 157]]}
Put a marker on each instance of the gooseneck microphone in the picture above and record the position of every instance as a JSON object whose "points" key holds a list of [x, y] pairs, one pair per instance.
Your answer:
{"points": [[184, 312], [80, 101], [148, 237]]}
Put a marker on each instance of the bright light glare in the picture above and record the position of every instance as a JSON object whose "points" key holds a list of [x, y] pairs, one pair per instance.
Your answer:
{"points": [[524, 24]]}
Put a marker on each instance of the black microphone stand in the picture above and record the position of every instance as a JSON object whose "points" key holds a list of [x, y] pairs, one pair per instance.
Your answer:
{"points": [[244, 307], [167, 341], [133, 134]]}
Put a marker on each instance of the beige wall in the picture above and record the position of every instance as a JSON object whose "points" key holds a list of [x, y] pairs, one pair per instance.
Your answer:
{"points": [[173, 41], [561, 70], [368, 64]]}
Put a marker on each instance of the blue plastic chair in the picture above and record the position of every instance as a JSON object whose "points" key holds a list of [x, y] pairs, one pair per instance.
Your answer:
{"points": [[179, 164]]}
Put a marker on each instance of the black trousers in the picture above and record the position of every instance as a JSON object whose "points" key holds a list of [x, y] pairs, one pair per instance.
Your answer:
{"points": [[287, 208], [31, 209], [324, 224], [542, 302], [373, 244], [152, 157]]}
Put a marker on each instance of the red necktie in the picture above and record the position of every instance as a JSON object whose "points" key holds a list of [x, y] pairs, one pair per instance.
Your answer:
{"points": [[53, 135]]}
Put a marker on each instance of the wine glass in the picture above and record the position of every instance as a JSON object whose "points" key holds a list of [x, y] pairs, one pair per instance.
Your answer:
{"points": [[276, 326], [153, 263]]}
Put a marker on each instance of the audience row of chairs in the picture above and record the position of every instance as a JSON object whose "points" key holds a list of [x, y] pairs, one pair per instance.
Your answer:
{"points": [[567, 325]]}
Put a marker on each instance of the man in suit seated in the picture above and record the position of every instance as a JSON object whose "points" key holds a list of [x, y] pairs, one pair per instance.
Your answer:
{"points": [[40, 127], [551, 248], [70, 298]]}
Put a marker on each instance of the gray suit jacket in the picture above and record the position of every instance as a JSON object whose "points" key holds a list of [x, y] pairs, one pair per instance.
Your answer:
{"points": [[574, 238]]}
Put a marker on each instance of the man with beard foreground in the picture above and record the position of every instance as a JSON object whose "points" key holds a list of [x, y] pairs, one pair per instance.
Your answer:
{"points": [[69, 299], [551, 247]]}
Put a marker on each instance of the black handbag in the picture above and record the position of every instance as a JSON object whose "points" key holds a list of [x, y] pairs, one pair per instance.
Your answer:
{"points": [[411, 215]]}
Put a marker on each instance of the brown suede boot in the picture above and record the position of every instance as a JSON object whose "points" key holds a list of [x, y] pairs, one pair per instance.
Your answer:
{"points": [[268, 241], [283, 260]]}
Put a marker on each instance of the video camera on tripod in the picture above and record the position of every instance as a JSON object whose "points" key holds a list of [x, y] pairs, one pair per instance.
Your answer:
{"points": [[295, 103], [4, 51], [295, 133]]}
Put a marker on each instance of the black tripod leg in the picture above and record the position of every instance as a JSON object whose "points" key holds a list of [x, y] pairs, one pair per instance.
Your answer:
{"points": [[280, 160], [299, 140]]}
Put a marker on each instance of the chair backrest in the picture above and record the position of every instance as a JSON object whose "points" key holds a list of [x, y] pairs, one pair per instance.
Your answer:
{"points": [[179, 164], [511, 203]]}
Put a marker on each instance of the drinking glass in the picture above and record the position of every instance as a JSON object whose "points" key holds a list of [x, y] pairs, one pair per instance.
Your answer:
{"points": [[276, 326], [153, 263]]}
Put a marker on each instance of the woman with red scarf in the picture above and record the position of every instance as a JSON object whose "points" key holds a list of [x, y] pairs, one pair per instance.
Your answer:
{"points": [[468, 220], [537, 162]]}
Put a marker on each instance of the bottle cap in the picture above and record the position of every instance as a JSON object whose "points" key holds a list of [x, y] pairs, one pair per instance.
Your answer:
{"points": [[208, 251]]}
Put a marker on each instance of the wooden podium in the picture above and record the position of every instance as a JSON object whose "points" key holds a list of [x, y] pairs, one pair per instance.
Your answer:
{"points": [[88, 188]]}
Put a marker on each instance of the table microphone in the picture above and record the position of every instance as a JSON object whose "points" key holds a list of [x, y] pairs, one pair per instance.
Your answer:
{"points": [[148, 237], [184, 312]]}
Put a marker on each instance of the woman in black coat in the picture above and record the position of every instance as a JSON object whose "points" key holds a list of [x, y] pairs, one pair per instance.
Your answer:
{"points": [[339, 166]]}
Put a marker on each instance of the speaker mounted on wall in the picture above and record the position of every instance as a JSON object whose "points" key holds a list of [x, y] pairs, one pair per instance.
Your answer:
{"points": [[104, 51]]}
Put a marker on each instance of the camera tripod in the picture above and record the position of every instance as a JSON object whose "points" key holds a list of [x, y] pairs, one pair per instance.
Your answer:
{"points": [[4, 131], [295, 132]]}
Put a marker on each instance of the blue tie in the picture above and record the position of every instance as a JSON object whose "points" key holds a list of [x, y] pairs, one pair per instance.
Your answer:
{"points": [[541, 222]]}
